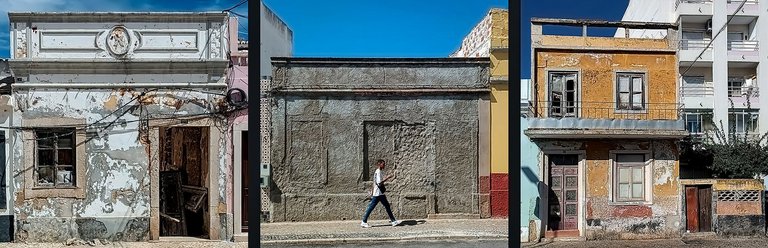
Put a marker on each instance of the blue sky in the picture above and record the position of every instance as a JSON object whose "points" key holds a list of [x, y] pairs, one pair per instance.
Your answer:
{"points": [[391, 28], [611, 10], [112, 5]]}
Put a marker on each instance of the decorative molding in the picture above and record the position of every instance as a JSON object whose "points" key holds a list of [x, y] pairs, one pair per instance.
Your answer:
{"points": [[21, 44]]}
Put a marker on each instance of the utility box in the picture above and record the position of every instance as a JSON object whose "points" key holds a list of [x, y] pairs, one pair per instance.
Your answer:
{"points": [[264, 180]]}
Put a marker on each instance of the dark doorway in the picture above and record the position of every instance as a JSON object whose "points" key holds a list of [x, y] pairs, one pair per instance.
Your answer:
{"points": [[184, 169], [244, 166], [698, 208]]}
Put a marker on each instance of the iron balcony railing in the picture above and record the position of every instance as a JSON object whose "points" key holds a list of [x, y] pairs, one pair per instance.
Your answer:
{"points": [[605, 110], [743, 91]]}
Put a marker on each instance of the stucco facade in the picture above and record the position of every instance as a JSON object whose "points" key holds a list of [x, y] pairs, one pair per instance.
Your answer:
{"points": [[490, 39], [605, 116], [118, 84], [331, 118]]}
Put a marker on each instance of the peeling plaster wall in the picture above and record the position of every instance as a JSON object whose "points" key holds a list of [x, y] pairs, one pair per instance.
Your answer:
{"points": [[320, 143], [597, 79], [660, 218], [116, 203]]}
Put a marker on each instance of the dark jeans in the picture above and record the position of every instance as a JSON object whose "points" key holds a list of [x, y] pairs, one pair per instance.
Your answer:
{"points": [[375, 200]]}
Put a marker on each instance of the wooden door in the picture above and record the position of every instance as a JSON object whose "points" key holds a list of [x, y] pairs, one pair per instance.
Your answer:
{"points": [[698, 205], [705, 208], [692, 208], [244, 166], [563, 197]]}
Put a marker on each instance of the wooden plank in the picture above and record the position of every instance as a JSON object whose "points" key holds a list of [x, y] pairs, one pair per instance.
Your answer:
{"points": [[692, 208], [705, 209]]}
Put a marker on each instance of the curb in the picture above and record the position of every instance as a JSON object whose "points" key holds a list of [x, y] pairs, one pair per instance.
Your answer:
{"points": [[390, 239]]}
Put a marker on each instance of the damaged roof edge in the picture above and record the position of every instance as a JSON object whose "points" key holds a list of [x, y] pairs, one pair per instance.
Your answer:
{"points": [[441, 60], [118, 16], [601, 23]]}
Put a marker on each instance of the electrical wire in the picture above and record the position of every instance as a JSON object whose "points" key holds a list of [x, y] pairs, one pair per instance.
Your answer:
{"points": [[236, 5]]}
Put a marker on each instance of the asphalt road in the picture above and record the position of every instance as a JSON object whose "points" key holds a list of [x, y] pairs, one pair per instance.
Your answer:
{"points": [[410, 244]]}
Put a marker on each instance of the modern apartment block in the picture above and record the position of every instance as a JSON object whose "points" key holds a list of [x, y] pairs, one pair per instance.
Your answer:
{"points": [[719, 59]]}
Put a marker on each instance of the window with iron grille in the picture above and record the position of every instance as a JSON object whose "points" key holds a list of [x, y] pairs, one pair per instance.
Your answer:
{"points": [[55, 160]]}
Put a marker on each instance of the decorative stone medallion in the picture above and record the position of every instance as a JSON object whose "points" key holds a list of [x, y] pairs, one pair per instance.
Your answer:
{"points": [[118, 41]]}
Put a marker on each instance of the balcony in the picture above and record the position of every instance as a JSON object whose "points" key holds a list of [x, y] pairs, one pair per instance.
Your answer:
{"points": [[743, 51], [693, 7], [750, 8], [605, 120], [691, 49]]}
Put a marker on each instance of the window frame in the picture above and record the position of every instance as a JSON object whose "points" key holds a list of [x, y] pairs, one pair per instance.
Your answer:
{"points": [[617, 93], [700, 119], [576, 92], [745, 117], [30, 189], [647, 185], [57, 133]]}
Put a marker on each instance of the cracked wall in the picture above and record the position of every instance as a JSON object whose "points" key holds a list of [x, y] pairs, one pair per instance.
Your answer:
{"points": [[323, 145], [605, 219], [116, 205]]}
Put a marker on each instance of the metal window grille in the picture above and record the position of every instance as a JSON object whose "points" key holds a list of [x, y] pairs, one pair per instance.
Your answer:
{"points": [[739, 195]]}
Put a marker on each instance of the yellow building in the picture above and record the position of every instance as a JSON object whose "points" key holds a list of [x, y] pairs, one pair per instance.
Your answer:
{"points": [[489, 38]]}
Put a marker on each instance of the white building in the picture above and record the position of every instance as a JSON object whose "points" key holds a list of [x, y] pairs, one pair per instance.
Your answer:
{"points": [[719, 56]]}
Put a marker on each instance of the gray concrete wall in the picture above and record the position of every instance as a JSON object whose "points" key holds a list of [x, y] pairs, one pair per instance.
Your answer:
{"points": [[324, 146]]}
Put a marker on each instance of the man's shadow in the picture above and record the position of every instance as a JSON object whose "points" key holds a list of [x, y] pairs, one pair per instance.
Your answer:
{"points": [[404, 223]]}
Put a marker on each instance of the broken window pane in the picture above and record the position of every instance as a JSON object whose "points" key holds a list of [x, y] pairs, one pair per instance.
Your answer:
{"points": [[55, 147], [45, 176], [45, 157], [64, 176], [64, 142]]}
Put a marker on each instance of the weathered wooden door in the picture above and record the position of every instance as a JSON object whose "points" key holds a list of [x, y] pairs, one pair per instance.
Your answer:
{"points": [[563, 197], [692, 208], [698, 205], [705, 209], [244, 166]]}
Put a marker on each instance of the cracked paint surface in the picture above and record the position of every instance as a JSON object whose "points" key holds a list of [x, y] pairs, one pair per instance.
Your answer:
{"points": [[117, 183]]}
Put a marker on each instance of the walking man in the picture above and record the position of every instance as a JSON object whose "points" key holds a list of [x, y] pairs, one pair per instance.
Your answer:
{"points": [[378, 196]]}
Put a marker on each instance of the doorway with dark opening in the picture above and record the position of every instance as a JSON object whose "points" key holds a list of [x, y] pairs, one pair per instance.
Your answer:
{"points": [[184, 168]]}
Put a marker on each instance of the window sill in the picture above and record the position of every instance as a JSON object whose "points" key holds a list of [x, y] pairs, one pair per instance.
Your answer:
{"points": [[630, 203], [47, 192]]}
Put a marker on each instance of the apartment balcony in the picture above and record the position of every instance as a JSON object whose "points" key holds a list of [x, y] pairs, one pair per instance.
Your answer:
{"points": [[693, 7], [743, 51], [750, 8], [564, 120], [692, 49], [702, 97]]}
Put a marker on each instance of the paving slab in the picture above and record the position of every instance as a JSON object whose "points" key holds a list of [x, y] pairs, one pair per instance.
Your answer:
{"points": [[351, 231]]}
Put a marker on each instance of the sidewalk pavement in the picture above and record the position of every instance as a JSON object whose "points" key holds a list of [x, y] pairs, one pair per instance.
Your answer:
{"points": [[381, 230]]}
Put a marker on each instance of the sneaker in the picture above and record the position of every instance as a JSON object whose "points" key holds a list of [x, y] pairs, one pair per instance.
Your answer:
{"points": [[364, 225], [395, 223]]}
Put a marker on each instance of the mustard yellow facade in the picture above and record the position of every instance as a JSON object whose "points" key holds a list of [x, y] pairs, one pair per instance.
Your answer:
{"points": [[489, 38]]}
